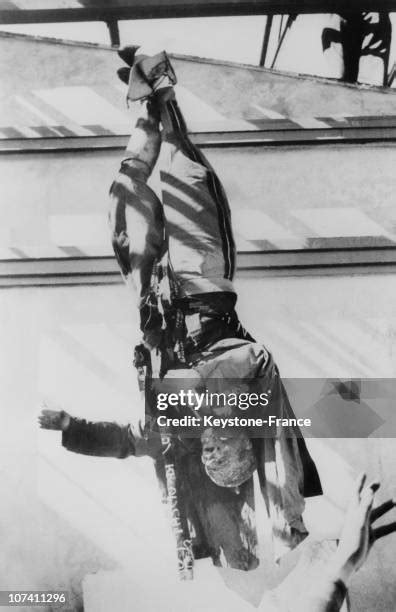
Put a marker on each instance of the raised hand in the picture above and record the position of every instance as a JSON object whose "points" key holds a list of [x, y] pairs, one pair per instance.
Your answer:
{"points": [[358, 534]]}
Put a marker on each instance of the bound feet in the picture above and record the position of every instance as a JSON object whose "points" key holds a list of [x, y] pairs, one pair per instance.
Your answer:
{"points": [[144, 74]]}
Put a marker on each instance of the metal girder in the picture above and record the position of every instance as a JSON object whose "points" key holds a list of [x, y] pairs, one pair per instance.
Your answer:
{"points": [[105, 271], [253, 138], [96, 10], [266, 39], [114, 32]]}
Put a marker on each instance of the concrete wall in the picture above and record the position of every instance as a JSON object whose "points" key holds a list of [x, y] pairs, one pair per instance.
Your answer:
{"points": [[64, 516], [299, 192], [237, 90]]}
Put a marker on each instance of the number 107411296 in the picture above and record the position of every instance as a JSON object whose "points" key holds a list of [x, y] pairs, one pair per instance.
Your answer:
{"points": [[33, 598]]}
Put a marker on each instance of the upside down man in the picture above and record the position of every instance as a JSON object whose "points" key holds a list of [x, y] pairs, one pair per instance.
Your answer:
{"points": [[177, 254]]}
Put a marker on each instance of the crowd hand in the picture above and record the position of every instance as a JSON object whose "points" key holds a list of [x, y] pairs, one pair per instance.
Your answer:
{"points": [[58, 420], [358, 534]]}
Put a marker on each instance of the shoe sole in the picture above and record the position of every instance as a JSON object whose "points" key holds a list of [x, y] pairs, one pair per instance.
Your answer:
{"points": [[127, 54]]}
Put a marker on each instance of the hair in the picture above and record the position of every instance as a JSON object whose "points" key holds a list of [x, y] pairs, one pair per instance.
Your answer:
{"points": [[229, 460]]}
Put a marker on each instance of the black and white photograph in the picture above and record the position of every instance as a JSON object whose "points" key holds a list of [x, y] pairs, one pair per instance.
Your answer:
{"points": [[198, 305]]}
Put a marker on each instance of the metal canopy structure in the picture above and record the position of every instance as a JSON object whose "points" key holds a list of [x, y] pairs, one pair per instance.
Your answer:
{"points": [[51, 11], [111, 11]]}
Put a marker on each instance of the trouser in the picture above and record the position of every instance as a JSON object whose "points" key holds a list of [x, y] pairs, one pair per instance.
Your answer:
{"points": [[190, 230]]}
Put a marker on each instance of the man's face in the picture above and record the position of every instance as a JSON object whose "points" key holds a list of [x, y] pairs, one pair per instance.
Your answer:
{"points": [[227, 456]]}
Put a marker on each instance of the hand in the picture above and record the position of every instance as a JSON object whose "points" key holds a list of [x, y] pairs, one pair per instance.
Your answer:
{"points": [[358, 534], [58, 420]]}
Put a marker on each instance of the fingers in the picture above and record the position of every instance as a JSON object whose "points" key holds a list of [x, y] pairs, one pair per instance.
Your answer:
{"points": [[377, 513], [366, 502], [384, 530], [382, 509], [49, 419], [50, 413], [43, 422], [368, 493], [357, 489], [359, 483], [44, 418]]}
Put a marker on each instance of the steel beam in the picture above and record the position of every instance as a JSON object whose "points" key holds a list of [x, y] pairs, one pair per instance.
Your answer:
{"points": [[149, 9], [252, 138], [114, 32], [266, 39], [105, 271]]}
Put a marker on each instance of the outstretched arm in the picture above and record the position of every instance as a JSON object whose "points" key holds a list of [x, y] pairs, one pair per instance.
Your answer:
{"points": [[100, 439]]}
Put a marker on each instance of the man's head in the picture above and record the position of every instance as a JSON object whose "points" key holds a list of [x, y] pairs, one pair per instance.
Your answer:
{"points": [[227, 456]]}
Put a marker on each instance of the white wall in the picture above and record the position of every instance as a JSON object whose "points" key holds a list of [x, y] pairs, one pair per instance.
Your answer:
{"points": [[64, 516]]}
